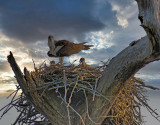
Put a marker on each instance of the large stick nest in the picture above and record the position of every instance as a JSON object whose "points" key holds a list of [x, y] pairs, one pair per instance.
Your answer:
{"points": [[75, 80]]}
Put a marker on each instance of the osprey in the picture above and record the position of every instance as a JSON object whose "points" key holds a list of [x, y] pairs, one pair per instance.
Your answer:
{"points": [[63, 48], [84, 64]]}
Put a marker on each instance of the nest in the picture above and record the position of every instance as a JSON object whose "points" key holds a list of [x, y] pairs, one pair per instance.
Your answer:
{"points": [[124, 110], [126, 107]]}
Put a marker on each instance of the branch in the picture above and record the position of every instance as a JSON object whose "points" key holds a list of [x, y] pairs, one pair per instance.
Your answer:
{"points": [[126, 64], [130, 60], [19, 75], [149, 15], [118, 71], [48, 103]]}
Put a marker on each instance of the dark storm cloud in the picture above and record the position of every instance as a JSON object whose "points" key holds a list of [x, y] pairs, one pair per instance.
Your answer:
{"points": [[34, 20]]}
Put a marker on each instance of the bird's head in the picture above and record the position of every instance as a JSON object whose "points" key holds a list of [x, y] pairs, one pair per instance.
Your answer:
{"points": [[50, 37], [82, 60]]}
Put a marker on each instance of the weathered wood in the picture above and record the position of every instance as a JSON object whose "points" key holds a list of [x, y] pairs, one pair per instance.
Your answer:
{"points": [[18, 74], [130, 60], [149, 15], [120, 69], [48, 103]]}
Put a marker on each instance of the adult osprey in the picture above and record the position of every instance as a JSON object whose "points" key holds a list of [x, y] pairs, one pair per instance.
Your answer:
{"points": [[63, 48]]}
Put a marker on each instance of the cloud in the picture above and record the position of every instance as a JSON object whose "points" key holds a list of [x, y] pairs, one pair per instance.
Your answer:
{"points": [[31, 21], [73, 20], [150, 74], [124, 11], [93, 21], [127, 27], [4, 66], [150, 69], [100, 39], [23, 54], [109, 25], [7, 80]]}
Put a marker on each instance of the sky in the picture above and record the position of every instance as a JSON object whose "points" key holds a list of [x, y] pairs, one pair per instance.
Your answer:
{"points": [[109, 25]]}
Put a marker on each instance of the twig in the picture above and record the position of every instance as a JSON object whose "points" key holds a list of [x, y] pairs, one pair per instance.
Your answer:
{"points": [[69, 119], [34, 66], [95, 86], [73, 110], [87, 109], [18, 117], [73, 90], [64, 81]]}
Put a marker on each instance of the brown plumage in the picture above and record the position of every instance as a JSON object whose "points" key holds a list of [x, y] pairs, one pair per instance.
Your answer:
{"points": [[70, 48], [67, 48], [84, 64]]}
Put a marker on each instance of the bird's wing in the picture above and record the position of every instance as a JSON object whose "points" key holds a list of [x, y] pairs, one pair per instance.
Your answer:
{"points": [[55, 42], [62, 43], [70, 48], [65, 51]]}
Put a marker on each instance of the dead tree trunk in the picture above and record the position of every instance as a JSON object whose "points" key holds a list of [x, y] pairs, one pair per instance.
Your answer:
{"points": [[120, 69]]}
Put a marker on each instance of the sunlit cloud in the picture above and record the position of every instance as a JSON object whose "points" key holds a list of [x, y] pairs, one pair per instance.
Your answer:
{"points": [[110, 26], [122, 21], [100, 39], [124, 13], [23, 54], [7, 87], [7, 82]]}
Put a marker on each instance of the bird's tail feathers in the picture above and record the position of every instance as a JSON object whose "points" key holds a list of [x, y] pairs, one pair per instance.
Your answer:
{"points": [[86, 47], [84, 43]]}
